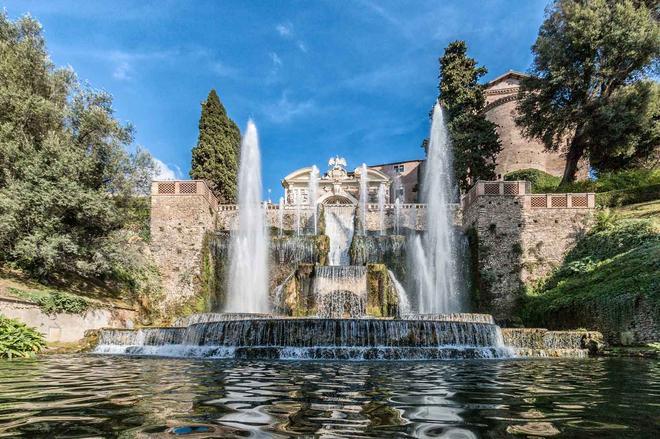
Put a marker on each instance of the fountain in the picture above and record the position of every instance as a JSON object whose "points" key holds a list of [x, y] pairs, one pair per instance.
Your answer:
{"points": [[397, 216], [434, 262], [381, 208], [312, 191], [337, 296], [248, 276], [404, 303], [364, 197], [339, 226], [297, 201], [280, 217]]}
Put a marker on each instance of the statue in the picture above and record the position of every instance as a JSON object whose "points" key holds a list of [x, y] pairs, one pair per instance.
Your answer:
{"points": [[337, 162]]}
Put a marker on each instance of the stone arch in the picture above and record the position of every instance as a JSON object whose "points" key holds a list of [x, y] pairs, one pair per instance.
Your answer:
{"points": [[342, 198]]}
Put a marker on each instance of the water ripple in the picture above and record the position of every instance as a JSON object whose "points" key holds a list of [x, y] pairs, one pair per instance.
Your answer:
{"points": [[94, 396]]}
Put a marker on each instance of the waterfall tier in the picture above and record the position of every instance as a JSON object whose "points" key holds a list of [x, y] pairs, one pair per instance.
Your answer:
{"points": [[291, 338]]}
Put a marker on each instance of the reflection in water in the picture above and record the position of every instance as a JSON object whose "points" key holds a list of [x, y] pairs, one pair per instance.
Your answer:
{"points": [[82, 396]]}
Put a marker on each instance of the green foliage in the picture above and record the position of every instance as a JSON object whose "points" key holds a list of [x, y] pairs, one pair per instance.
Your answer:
{"points": [[53, 302], [542, 182], [68, 183], [215, 158], [59, 302], [18, 340], [587, 93], [628, 196], [602, 277], [475, 142]]}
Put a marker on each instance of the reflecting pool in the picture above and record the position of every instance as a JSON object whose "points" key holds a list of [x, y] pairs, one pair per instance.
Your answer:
{"points": [[107, 396]]}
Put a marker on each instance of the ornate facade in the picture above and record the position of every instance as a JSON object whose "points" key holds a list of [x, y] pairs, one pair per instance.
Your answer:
{"points": [[336, 186]]}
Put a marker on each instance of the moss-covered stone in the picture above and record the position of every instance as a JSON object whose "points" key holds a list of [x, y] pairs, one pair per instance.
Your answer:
{"points": [[382, 300]]}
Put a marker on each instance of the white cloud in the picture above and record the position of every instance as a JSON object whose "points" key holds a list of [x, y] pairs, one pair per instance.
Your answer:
{"points": [[285, 29], [277, 61], [224, 70], [164, 172], [284, 110], [122, 71]]}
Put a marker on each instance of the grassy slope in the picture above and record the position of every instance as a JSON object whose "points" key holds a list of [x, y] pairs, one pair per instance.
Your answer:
{"points": [[14, 285], [602, 277]]}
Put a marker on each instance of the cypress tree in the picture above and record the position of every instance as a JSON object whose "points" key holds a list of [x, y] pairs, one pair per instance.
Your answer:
{"points": [[215, 158], [475, 142]]}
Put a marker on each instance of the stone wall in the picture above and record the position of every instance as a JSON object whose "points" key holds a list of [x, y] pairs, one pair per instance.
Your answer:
{"points": [[514, 244], [180, 217], [63, 327]]}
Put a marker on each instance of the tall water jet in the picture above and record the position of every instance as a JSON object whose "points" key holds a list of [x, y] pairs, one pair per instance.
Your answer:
{"points": [[248, 276], [434, 262], [297, 200], [398, 189], [364, 197], [381, 208], [280, 217], [313, 185], [397, 216]]}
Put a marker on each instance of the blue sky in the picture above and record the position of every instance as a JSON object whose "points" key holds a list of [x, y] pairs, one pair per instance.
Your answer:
{"points": [[318, 78]]}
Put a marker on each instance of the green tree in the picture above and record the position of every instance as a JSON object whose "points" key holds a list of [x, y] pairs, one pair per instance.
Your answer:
{"points": [[65, 169], [475, 141], [584, 96], [215, 158]]}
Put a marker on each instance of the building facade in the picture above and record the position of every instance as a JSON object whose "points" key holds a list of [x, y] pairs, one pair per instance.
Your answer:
{"points": [[518, 152], [336, 186], [405, 178]]}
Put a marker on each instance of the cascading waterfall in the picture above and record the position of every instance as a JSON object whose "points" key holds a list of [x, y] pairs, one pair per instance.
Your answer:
{"points": [[381, 208], [313, 185], [248, 275], [340, 291], [364, 197], [339, 226], [345, 339], [280, 217], [434, 260], [404, 303]]}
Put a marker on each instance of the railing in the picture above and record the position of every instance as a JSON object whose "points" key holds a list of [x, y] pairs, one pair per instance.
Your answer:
{"points": [[371, 207], [524, 189], [184, 187]]}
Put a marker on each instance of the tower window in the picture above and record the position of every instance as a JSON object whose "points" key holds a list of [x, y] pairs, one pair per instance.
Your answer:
{"points": [[399, 169]]}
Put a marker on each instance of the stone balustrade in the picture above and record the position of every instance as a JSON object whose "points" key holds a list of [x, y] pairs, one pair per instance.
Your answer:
{"points": [[530, 201], [184, 188]]}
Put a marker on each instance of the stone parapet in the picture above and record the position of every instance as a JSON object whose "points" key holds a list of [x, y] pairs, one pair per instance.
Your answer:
{"points": [[530, 200]]}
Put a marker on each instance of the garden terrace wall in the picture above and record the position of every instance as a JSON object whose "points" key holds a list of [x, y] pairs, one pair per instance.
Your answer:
{"points": [[517, 238]]}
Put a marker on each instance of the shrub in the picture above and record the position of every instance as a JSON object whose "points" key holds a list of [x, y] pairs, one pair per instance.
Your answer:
{"points": [[59, 302], [18, 340], [541, 181], [625, 197]]}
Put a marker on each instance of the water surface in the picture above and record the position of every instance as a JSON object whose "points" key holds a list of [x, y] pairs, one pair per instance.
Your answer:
{"points": [[107, 396]]}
